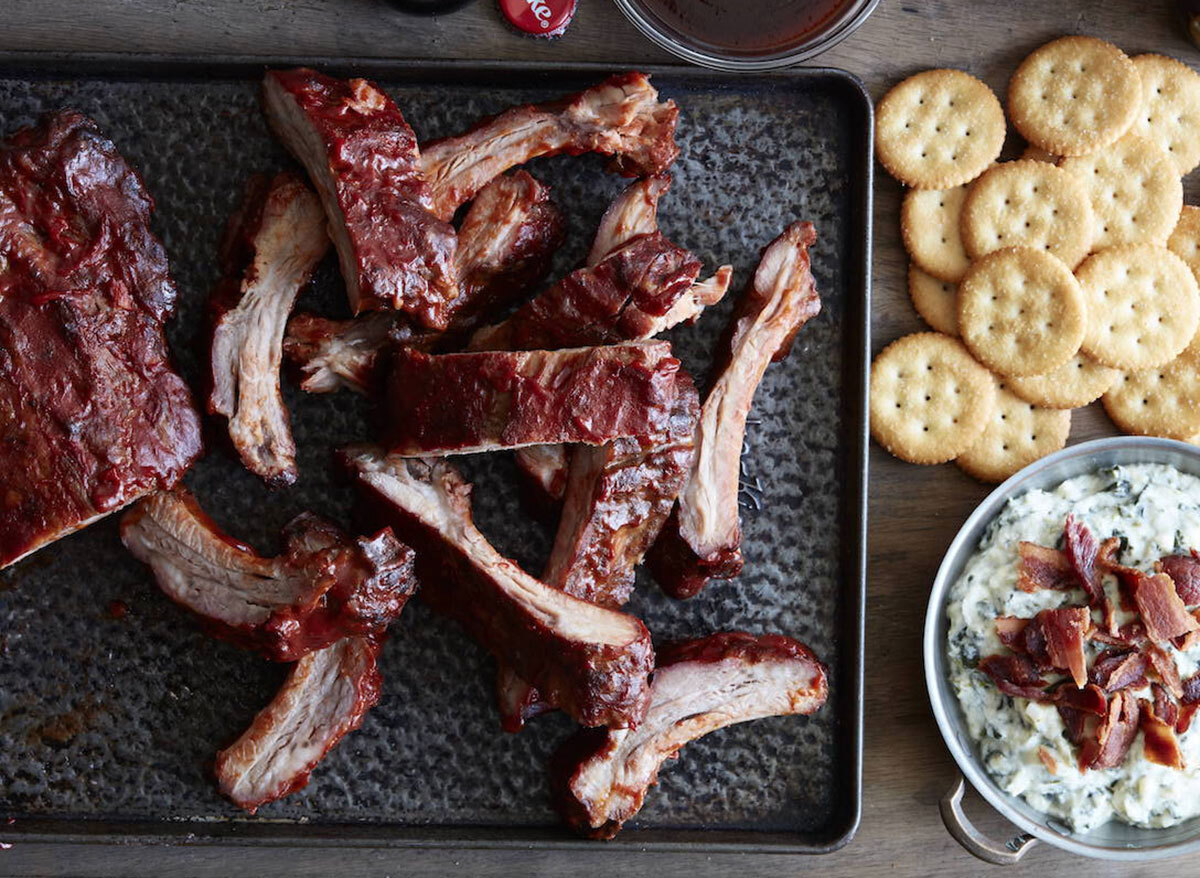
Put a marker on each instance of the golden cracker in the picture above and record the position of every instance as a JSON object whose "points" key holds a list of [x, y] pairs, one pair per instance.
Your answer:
{"points": [[1021, 312], [938, 129], [930, 400], [935, 300], [1185, 239], [1169, 113], [1143, 306], [1074, 95], [929, 223], [1037, 154], [1158, 402], [1028, 204], [1080, 382], [1017, 434], [1134, 190]]}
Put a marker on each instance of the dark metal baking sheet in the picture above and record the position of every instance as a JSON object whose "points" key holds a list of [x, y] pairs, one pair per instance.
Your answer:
{"points": [[109, 720]]}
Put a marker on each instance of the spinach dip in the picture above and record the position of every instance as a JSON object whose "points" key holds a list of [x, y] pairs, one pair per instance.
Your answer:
{"points": [[1154, 510]]}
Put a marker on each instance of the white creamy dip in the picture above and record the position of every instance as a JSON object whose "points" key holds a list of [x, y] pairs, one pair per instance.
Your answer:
{"points": [[1155, 510]]}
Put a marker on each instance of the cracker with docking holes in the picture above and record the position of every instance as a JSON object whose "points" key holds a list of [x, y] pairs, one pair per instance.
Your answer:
{"points": [[929, 225], [1185, 240], [930, 399], [1028, 204], [1021, 312], [1134, 189], [935, 300], [1080, 382], [938, 129], [1159, 402], [1143, 306], [1169, 113], [1074, 95], [1017, 434]]}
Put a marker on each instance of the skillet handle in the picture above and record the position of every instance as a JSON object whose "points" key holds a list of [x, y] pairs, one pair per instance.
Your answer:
{"points": [[975, 842]]}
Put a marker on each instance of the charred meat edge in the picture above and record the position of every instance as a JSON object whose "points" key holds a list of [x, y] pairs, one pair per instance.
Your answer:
{"points": [[364, 161], [703, 539], [621, 117], [324, 586], [272, 246], [326, 695], [591, 661], [600, 777]]}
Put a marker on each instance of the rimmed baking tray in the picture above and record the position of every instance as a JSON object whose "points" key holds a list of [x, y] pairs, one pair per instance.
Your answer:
{"points": [[113, 703]]}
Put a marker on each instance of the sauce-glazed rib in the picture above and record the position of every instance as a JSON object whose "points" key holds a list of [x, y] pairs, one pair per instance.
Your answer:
{"points": [[464, 403], [591, 661], [363, 158], [703, 538], [91, 413], [271, 247], [325, 696], [621, 117], [323, 587], [600, 777]]}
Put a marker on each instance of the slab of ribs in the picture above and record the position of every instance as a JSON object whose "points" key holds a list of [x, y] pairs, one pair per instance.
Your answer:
{"points": [[462, 355], [92, 414]]}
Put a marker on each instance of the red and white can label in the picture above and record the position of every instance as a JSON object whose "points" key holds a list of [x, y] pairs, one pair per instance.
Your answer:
{"points": [[541, 18]]}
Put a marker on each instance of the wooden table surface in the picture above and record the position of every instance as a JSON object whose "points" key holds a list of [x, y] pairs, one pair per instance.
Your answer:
{"points": [[914, 510]]}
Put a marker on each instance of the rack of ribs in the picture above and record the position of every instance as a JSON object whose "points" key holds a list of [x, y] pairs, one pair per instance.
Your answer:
{"points": [[507, 239], [703, 538], [591, 661], [92, 413], [364, 161], [621, 117], [323, 587], [484, 401], [272, 244], [600, 777]]}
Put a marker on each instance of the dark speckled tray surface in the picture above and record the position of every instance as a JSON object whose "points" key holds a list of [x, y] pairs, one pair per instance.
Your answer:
{"points": [[109, 721]]}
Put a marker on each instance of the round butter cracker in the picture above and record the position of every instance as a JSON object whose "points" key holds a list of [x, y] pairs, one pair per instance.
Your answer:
{"points": [[1143, 306], [930, 400], [1169, 113], [929, 225], [1080, 382], [935, 300], [938, 129], [1074, 95], [1028, 204], [1134, 189], [1021, 312], [1017, 434], [1185, 239], [1159, 402]]}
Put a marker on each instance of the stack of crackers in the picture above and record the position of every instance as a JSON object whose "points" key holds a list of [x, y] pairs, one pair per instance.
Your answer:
{"points": [[1063, 277]]}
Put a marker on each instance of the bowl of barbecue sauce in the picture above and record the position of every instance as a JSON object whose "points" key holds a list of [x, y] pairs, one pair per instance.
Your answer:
{"points": [[746, 34]]}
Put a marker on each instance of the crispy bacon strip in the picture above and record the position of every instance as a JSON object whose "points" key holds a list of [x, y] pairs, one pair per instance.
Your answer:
{"points": [[1114, 735], [1043, 567], [1065, 631], [1158, 738], [326, 695], [621, 117], [600, 777], [323, 587], [1015, 675], [271, 247], [1161, 608], [1081, 551], [1166, 669], [1184, 571], [1079, 709], [1114, 670]]}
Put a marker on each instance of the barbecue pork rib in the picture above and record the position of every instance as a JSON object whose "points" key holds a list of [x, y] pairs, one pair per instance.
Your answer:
{"points": [[92, 414], [363, 158], [703, 538], [600, 777], [326, 695], [621, 117], [591, 661], [618, 496], [271, 247], [464, 403], [323, 587], [505, 244]]}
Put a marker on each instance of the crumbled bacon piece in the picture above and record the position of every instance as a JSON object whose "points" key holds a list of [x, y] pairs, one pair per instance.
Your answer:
{"points": [[1161, 609], [1129, 636], [1114, 734], [1015, 675], [1047, 760], [1115, 670], [1184, 571], [1184, 722], [1043, 567], [1081, 551], [1065, 630], [1079, 709], [1164, 666], [1191, 689], [1166, 707], [1160, 744]]}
